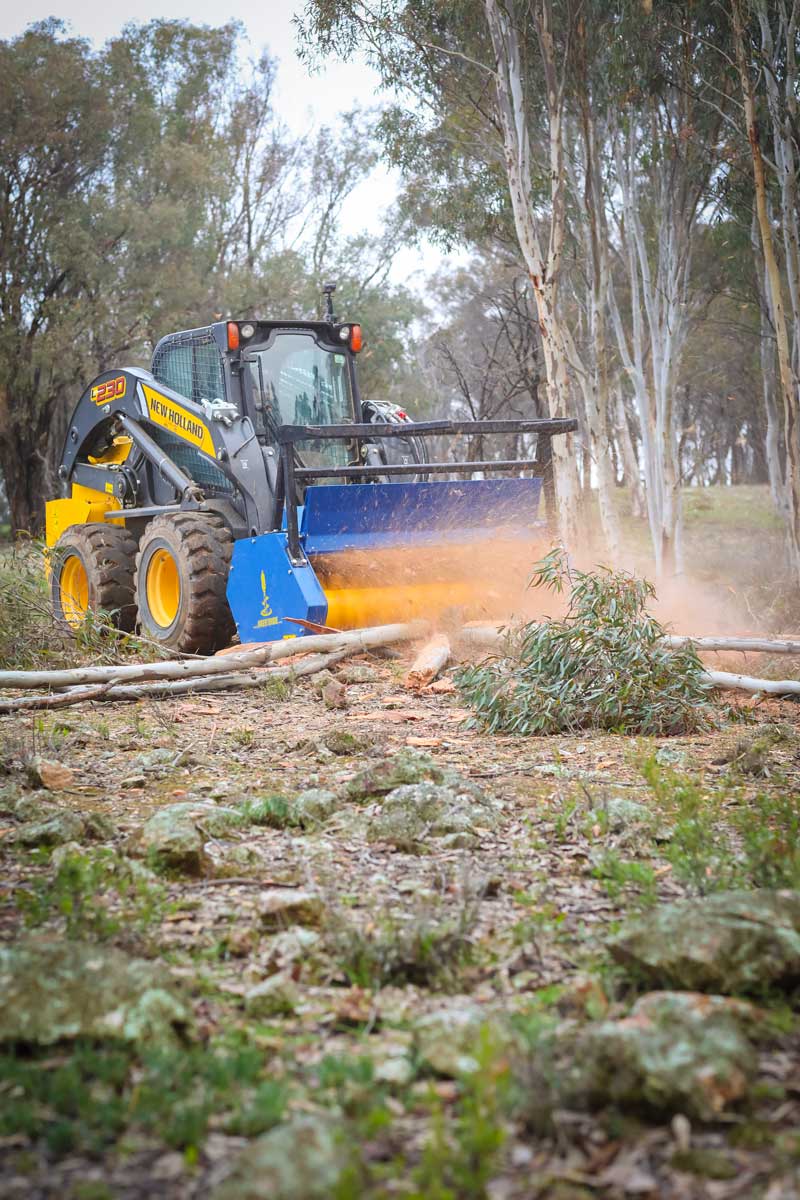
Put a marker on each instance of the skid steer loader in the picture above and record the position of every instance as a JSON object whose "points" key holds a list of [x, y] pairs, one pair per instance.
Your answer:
{"points": [[243, 485]]}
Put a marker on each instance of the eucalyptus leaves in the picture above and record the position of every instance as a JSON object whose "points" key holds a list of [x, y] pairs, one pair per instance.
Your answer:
{"points": [[604, 666]]}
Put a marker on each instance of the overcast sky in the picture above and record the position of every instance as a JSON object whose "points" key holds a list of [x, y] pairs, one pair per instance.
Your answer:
{"points": [[305, 101]]}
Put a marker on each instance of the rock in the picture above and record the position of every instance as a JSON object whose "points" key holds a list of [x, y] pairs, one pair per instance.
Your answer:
{"points": [[446, 1040], [53, 830], [302, 1160], [174, 837], [675, 1052], [277, 996], [357, 673], [312, 807], [321, 679], [171, 839], [729, 942], [334, 694], [9, 799], [390, 1053], [383, 777], [50, 775], [58, 990], [342, 741], [31, 808], [98, 826], [413, 814], [280, 907], [621, 813], [288, 947]]}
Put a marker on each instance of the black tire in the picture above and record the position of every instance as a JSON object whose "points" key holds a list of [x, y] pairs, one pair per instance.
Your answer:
{"points": [[91, 568], [180, 582]]}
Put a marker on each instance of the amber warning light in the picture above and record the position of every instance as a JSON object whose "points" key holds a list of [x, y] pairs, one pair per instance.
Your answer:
{"points": [[355, 338], [233, 335]]}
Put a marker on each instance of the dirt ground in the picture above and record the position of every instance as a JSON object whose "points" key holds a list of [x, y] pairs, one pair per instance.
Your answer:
{"points": [[534, 899]]}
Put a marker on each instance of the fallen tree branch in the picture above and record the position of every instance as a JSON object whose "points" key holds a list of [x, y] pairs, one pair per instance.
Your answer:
{"points": [[57, 699], [746, 683], [432, 658], [163, 689], [355, 640], [492, 637], [741, 644]]}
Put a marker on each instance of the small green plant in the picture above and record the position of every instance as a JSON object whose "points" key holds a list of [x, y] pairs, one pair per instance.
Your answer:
{"points": [[95, 895], [429, 946], [276, 811], [460, 1156], [243, 736], [769, 828], [618, 875], [278, 688], [699, 848], [93, 1093], [604, 666]]}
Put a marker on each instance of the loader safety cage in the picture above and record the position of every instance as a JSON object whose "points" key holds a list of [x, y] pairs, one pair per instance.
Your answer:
{"points": [[290, 474]]}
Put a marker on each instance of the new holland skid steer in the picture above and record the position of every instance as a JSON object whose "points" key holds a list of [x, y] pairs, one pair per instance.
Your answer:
{"points": [[243, 485]]}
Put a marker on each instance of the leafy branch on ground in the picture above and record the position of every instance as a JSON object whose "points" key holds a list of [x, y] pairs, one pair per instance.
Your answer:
{"points": [[603, 666]]}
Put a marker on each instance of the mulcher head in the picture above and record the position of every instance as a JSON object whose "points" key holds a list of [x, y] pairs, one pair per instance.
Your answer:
{"points": [[373, 553]]}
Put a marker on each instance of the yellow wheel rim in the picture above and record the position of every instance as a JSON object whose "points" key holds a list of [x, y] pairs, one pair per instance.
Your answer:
{"points": [[74, 587], [163, 587]]}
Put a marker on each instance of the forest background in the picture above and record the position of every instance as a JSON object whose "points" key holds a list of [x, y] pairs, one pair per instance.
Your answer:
{"points": [[619, 181]]}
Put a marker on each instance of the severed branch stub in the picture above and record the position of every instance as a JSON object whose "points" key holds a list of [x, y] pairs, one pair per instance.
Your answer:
{"points": [[432, 658]]}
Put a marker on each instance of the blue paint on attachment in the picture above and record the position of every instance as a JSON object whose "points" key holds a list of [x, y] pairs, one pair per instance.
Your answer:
{"points": [[359, 516], [264, 588]]}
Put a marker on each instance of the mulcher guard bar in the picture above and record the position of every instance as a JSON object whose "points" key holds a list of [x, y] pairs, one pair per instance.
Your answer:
{"points": [[362, 553]]}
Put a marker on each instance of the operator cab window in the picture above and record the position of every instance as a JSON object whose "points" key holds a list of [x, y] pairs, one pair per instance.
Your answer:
{"points": [[302, 384], [194, 370]]}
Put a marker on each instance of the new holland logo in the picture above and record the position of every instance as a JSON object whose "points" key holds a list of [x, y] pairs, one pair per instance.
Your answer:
{"points": [[186, 425], [267, 617]]}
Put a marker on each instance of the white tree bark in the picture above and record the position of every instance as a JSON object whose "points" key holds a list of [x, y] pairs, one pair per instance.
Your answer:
{"points": [[787, 376], [656, 258], [543, 267]]}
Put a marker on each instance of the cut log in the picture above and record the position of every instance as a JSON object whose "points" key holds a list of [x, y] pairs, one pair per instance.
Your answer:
{"points": [[746, 683], [432, 658], [359, 639]]}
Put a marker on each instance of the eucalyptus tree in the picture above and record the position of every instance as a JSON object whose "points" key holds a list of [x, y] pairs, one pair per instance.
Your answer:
{"points": [[485, 86], [148, 186], [767, 42]]}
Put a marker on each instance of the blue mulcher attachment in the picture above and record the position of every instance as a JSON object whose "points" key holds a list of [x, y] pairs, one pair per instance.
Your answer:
{"points": [[356, 554]]}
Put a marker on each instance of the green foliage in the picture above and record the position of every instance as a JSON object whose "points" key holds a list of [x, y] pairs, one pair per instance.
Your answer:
{"points": [[91, 1094], [276, 811], [96, 895], [29, 636], [161, 188], [618, 875], [460, 1156], [720, 840], [604, 666], [427, 946], [769, 828]]}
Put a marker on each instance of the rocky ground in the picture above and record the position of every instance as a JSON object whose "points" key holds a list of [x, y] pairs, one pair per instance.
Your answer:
{"points": [[328, 941]]}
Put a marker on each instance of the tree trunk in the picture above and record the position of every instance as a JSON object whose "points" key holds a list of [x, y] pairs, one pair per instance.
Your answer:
{"points": [[26, 476], [542, 270], [788, 384]]}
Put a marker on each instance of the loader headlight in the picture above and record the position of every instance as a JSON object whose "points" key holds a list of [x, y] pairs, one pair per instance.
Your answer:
{"points": [[344, 332], [247, 330]]}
